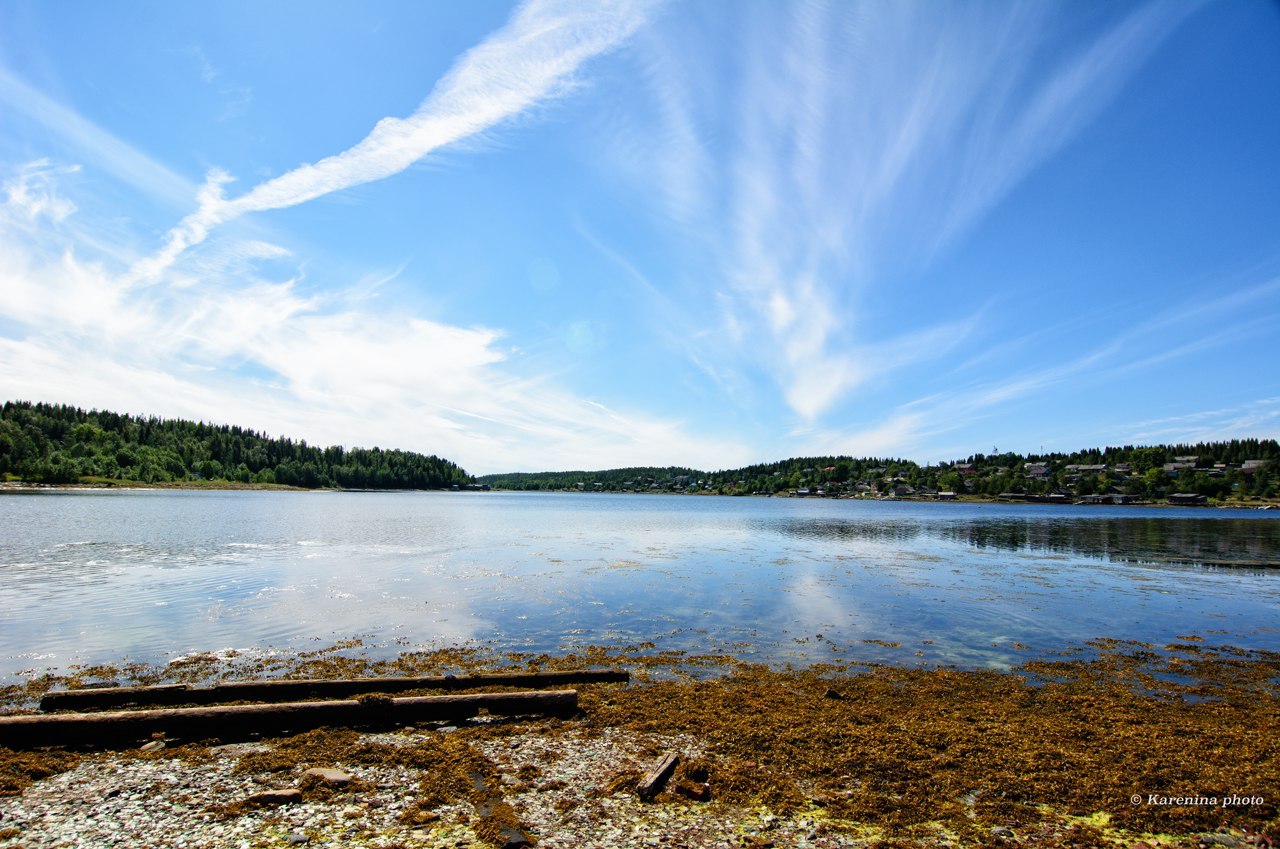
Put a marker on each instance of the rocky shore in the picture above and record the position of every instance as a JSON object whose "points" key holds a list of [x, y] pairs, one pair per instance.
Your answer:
{"points": [[1114, 745]]}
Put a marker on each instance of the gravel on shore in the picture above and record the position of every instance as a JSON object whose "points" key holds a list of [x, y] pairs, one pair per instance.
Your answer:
{"points": [[557, 785], [1127, 745]]}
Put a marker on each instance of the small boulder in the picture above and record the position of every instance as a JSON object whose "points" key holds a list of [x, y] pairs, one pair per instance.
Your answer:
{"points": [[334, 777], [153, 746], [420, 817], [275, 797], [694, 792]]}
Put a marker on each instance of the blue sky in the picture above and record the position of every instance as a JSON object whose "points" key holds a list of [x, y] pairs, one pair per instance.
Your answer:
{"points": [[559, 235]]}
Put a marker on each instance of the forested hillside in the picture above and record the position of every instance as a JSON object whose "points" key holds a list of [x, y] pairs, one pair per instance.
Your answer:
{"points": [[614, 480], [47, 443], [1239, 469]]}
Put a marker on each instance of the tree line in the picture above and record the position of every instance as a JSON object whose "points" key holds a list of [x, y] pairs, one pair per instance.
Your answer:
{"points": [[1239, 468], [60, 444]]}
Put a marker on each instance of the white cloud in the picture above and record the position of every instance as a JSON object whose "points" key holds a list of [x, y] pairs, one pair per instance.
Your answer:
{"points": [[1016, 135], [1199, 324], [862, 139], [30, 195], [1260, 419], [239, 347], [94, 145], [529, 61], [330, 368], [899, 435]]}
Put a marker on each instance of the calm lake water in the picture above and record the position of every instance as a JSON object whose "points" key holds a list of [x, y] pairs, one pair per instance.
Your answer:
{"points": [[100, 576]]}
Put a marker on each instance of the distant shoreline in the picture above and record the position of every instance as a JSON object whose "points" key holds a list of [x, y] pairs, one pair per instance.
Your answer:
{"points": [[1252, 505], [231, 486], [27, 486]]}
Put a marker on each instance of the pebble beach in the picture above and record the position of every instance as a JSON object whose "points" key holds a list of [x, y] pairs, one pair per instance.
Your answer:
{"points": [[1125, 746]]}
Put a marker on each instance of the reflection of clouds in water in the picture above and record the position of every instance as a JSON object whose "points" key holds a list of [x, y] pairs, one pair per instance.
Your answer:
{"points": [[814, 604], [333, 605], [202, 608], [910, 581], [692, 573]]}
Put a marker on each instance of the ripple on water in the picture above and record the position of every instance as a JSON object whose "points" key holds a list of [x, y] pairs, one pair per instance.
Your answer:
{"points": [[153, 575]]}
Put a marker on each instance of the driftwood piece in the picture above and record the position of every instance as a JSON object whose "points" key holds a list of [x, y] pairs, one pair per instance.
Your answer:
{"points": [[289, 690], [651, 784], [240, 722]]}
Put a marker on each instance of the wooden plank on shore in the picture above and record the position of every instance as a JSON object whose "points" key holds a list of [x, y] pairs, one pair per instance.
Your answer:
{"points": [[291, 690], [241, 722], [651, 784]]}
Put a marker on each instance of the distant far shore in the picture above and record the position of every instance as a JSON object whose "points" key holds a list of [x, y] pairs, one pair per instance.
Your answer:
{"points": [[222, 485], [28, 486], [1252, 504]]}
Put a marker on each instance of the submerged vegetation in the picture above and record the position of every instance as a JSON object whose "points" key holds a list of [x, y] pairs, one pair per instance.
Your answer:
{"points": [[59, 444]]}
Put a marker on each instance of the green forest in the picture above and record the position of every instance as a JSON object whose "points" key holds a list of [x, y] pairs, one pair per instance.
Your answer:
{"points": [[1240, 469], [59, 444]]}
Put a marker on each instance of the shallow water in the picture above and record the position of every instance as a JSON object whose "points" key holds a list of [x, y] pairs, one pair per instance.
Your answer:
{"points": [[99, 576]]}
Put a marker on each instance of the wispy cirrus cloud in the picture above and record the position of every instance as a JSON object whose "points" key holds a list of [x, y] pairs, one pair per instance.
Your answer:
{"points": [[865, 139], [903, 433], [528, 62], [92, 144], [1195, 326], [30, 194], [1258, 419], [1015, 134]]}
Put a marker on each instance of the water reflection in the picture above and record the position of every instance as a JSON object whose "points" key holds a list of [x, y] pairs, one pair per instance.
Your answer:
{"points": [[1165, 539], [858, 530], [1208, 542], [94, 577]]}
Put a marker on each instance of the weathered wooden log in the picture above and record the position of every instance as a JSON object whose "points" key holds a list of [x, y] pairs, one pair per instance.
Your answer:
{"points": [[291, 690], [651, 784], [241, 722]]}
